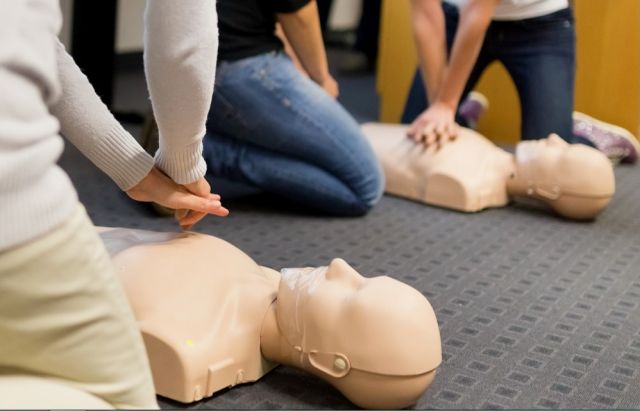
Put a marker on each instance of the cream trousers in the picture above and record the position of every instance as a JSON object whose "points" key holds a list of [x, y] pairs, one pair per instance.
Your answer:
{"points": [[65, 317]]}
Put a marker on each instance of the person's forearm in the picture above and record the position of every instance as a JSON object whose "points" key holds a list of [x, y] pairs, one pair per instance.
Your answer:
{"points": [[302, 29], [428, 24], [289, 50], [87, 123], [475, 18], [181, 45]]}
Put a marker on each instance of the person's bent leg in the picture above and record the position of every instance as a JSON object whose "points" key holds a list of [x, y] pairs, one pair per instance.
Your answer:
{"points": [[417, 101], [64, 315], [539, 54], [295, 180], [266, 102]]}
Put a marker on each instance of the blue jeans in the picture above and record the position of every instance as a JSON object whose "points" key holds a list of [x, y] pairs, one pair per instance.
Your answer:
{"points": [[274, 129], [539, 55]]}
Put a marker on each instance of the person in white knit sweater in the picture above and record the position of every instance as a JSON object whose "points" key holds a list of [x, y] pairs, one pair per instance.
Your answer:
{"points": [[63, 314]]}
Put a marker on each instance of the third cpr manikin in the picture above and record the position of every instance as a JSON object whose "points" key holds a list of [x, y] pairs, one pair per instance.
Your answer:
{"points": [[212, 318], [471, 173]]}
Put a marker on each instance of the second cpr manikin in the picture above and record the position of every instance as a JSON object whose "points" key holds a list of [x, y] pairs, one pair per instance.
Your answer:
{"points": [[471, 173], [212, 318]]}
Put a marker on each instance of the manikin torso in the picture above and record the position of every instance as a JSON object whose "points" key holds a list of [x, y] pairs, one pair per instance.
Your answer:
{"points": [[468, 174], [200, 332], [471, 173], [211, 318]]}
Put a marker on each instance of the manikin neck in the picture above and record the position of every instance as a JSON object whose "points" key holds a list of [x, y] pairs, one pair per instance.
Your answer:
{"points": [[274, 345], [518, 185]]}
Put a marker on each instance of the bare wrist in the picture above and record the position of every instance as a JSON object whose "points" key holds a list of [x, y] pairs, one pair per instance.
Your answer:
{"points": [[320, 78], [450, 104]]}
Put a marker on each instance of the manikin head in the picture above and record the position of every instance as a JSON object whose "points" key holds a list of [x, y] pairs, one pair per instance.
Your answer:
{"points": [[375, 339], [577, 181]]}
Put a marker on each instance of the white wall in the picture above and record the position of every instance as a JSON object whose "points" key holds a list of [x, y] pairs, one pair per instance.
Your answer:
{"points": [[67, 17], [345, 14], [129, 30]]}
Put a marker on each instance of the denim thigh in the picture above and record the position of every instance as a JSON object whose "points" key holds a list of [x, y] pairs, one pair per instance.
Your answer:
{"points": [[265, 101], [539, 54]]}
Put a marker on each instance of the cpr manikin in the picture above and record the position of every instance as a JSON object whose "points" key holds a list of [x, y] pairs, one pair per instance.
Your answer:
{"points": [[471, 173], [212, 318]]}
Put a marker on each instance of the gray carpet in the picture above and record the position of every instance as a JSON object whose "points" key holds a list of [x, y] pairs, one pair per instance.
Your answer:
{"points": [[534, 311]]}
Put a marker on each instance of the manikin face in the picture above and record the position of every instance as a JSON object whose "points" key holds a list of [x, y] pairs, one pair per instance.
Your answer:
{"points": [[542, 150], [575, 180], [553, 167], [344, 321]]}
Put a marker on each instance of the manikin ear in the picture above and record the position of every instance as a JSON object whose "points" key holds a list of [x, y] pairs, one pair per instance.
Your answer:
{"points": [[333, 364]]}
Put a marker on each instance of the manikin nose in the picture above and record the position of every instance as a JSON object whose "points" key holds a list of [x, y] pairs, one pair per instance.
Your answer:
{"points": [[556, 141], [340, 270]]}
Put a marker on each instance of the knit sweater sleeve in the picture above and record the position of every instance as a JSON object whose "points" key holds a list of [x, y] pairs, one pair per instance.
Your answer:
{"points": [[87, 123], [181, 46]]}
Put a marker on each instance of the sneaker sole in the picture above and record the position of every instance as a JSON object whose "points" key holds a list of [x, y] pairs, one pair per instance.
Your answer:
{"points": [[626, 134]]}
